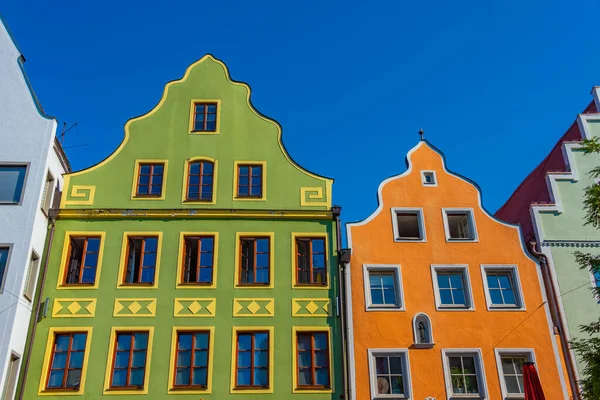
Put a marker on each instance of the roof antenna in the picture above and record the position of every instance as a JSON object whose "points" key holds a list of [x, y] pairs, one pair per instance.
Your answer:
{"points": [[65, 130], [421, 133]]}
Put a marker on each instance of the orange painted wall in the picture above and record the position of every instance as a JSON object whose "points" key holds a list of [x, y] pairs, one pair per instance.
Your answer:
{"points": [[372, 243]]}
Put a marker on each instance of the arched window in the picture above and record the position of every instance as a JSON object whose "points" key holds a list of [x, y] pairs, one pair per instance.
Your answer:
{"points": [[422, 331], [200, 181]]}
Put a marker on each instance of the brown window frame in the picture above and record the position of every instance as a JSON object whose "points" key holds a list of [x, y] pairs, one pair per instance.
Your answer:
{"points": [[192, 367], [205, 115], [201, 175], [150, 176], [82, 266], [186, 270], [130, 362], [66, 369], [139, 263], [252, 367], [250, 185], [310, 261], [255, 254], [313, 368]]}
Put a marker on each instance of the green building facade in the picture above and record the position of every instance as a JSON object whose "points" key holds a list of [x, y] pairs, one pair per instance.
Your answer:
{"points": [[197, 261], [548, 205]]}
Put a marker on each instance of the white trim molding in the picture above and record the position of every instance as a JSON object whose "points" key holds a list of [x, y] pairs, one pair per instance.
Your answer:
{"points": [[513, 270], [403, 354], [472, 225], [499, 352], [424, 174], [479, 369], [397, 271], [420, 220], [463, 269]]}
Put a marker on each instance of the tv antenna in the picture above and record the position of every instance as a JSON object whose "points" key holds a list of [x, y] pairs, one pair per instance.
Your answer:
{"points": [[65, 130]]}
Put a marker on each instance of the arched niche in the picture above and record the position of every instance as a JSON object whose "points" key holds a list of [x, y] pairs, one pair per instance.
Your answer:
{"points": [[422, 331]]}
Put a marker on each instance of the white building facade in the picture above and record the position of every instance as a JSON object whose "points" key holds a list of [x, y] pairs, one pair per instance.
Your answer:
{"points": [[31, 166]]}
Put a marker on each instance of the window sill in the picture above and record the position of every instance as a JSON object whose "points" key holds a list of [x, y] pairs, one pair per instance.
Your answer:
{"points": [[215, 132], [248, 198], [254, 285], [193, 201], [311, 285], [423, 345], [450, 308], [148, 196], [68, 285], [467, 396], [378, 307], [456, 240], [409, 240], [198, 284], [188, 389], [492, 307]]}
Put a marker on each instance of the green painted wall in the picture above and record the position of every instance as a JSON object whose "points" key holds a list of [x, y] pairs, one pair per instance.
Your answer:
{"points": [[163, 134], [579, 304]]}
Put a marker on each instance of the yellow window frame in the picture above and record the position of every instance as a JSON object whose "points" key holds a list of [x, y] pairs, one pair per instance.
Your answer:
{"points": [[237, 260], [237, 329], [123, 259], [264, 180], [136, 174], [186, 172], [211, 343], [53, 331], [180, 261], [295, 331], [60, 285], [316, 235], [192, 114], [109, 361]]}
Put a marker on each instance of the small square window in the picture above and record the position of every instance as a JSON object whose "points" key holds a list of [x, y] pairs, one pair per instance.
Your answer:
{"points": [[452, 287], [428, 178], [459, 225], [502, 287], [463, 373], [510, 368], [389, 373], [408, 225], [205, 117], [383, 287], [12, 183]]}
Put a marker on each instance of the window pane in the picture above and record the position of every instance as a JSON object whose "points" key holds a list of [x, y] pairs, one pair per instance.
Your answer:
{"points": [[496, 297], [79, 341], [375, 280], [182, 377], [395, 365], [119, 377], [456, 280], [76, 360], [471, 384], [55, 379], [91, 260], [469, 365], [244, 359], [261, 359], [304, 342], [243, 377], [12, 179], [381, 364], [389, 296], [383, 385], [443, 281], [492, 281], [504, 281], [509, 296], [261, 377], [60, 360], [304, 377], [397, 385], [199, 376], [137, 377], [200, 358], [185, 341], [446, 296], [62, 342], [93, 245], [150, 245], [149, 260], [123, 341], [139, 359], [304, 360], [73, 378], [140, 341], [508, 366], [261, 341], [122, 360], [455, 365], [322, 376], [147, 275], [377, 296], [184, 358], [459, 297], [244, 342], [205, 275], [321, 359], [512, 385]]}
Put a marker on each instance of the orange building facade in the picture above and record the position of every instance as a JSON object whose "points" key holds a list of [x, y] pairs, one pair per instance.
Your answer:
{"points": [[444, 301]]}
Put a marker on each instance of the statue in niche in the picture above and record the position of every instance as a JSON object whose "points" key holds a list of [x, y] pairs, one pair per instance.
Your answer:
{"points": [[423, 334]]}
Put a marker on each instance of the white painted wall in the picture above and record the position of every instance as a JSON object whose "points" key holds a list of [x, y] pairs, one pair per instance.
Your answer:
{"points": [[26, 135]]}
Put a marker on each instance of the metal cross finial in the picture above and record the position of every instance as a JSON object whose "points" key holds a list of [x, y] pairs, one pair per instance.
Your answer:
{"points": [[421, 133]]}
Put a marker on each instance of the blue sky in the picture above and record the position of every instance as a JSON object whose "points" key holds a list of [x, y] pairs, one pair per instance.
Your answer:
{"points": [[493, 83]]}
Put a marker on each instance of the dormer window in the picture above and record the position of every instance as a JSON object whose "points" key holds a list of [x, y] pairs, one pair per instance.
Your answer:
{"points": [[459, 225]]}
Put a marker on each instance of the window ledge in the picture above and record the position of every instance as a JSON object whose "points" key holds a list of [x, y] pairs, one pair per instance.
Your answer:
{"points": [[385, 308], [492, 307], [446, 308], [408, 240], [423, 345]]}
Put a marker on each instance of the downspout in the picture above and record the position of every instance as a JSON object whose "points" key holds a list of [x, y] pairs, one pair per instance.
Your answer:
{"points": [[341, 295], [35, 314], [557, 317]]}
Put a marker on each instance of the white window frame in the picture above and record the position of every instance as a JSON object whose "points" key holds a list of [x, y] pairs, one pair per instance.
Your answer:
{"points": [[48, 193], [479, 368], [514, 271], [5, 275], [31, 275], [402, 353], [446, 211], [424, 182], [464, 270], [499, 352], [397, 271], [415, 341], [22, 194], [409, 210]]}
